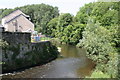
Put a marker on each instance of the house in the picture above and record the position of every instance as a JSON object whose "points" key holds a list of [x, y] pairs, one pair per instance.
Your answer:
{"points": [[17, 21]]}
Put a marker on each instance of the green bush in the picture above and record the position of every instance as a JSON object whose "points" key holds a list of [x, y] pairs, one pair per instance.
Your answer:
{"points": [[99, 74], [98, 42], [3, 43]]}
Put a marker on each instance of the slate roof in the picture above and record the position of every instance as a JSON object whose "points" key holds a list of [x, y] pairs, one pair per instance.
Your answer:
{"points": [[14, 15], [14, 18]]}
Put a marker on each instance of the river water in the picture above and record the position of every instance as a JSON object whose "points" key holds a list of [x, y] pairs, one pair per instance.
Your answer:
{"points": [[72, 63]]}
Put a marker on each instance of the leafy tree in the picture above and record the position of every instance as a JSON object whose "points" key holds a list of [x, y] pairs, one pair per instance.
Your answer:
{"points": [[97, 40], [72, 33], [84, 13], [3, 43], [94, 38], [110, 18], [4, 12], [40, 14], [66, 29], [67, 34], [63, 21], [106, 13], [52, 26]]}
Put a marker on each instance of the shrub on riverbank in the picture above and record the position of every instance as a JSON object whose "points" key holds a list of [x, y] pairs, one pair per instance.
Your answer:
{"points": [[98, 74], [66, 29], [98, 42], [101, 40], [3, 43]]}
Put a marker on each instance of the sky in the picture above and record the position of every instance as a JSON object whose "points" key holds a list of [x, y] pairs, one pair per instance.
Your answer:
{"points": [[64, 6]]}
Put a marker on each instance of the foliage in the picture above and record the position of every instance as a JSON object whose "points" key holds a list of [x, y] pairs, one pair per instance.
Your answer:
{"points": [[4, 12], [63, 21], [114, 29], [52, 26], [65, 29], [69, 28], [98, 42], [40, 14], [3, 43], [72, 33], [55, 41], [101, 37], [104, 12], [84, 13], [110, 17], [31, 57], [98, 74]]}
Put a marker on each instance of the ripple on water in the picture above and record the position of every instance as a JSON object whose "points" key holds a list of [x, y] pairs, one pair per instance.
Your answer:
{"points": [[73, 64]]}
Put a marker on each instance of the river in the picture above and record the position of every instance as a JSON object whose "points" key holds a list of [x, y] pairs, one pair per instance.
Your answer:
{"points": [[72, 63]]}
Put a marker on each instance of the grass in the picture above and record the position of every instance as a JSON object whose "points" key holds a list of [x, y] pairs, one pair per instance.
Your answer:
{"points": [[99, 74], [2, 62], [44, 38]]}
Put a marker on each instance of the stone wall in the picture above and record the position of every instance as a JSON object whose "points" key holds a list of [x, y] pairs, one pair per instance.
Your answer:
{"points": [[21, 53], [16, 37]]}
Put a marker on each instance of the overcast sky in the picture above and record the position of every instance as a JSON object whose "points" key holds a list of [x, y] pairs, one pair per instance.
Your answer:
{"points": [[65, 6]]}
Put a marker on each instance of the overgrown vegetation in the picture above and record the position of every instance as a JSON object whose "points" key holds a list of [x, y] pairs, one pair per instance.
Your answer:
{"points": [[101, 37], [95, 27], [40, 14], [3, 43], [66, 29], [100, 48]]}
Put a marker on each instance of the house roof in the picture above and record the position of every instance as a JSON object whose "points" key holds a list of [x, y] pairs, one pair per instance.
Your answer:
{"points": [[14, 18], [13, 15]]}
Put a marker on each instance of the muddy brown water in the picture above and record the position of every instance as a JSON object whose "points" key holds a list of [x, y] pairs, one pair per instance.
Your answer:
{"points": [[73, 63]]}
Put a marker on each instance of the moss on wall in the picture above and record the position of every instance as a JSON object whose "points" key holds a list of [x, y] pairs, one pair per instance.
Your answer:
{"points": [[20, 55]]}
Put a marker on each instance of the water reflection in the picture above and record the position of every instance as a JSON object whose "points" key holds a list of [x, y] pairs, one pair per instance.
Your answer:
{"points": [[85, 70], [72, 51], [87, 64], [74, 64]]}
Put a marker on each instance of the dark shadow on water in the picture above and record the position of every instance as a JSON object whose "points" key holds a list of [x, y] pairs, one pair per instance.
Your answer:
{"points": [[72, 63]]}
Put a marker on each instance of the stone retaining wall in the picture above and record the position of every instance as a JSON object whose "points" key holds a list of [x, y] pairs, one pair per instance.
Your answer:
{"points": [[21, 53]]}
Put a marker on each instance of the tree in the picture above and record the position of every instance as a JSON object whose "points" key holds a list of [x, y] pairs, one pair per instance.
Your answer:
{"points": [[110, 18], [63, 21], [4, 12], [52, 26], [40, 14], [104, 13], [84, 13], [97, 40], [76, 34]]}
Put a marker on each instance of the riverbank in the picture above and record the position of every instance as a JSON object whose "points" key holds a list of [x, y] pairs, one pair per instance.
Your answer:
{"points": [[72, 64], [20, 53]]}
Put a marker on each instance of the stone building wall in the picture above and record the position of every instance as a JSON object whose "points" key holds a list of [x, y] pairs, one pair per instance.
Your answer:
{"points": [[16, 37], [21, 53]]}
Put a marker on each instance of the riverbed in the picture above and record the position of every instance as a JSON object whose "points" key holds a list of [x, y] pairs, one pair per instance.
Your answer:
{"points": [[72, 63]]}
